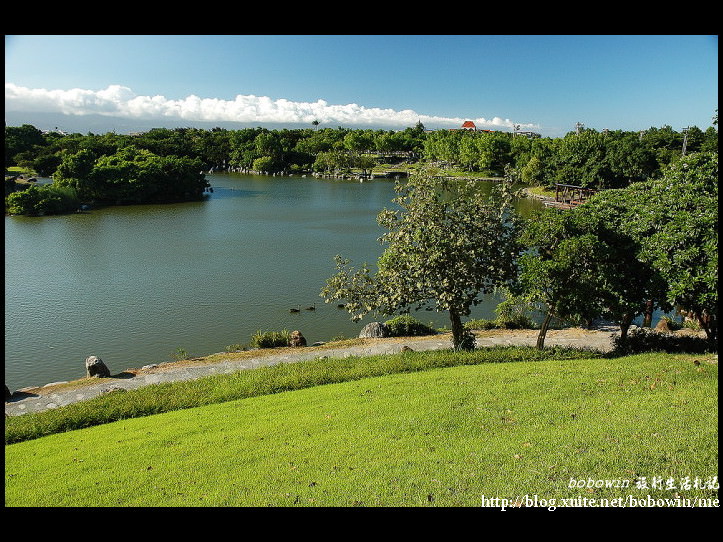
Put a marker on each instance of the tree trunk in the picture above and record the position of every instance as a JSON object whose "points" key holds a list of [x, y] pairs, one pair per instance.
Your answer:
{"points": [[625, 322], [648, 318], [710, 326], [543, 330], [457, 329]]}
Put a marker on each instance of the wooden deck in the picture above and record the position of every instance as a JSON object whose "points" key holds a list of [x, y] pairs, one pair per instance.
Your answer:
{"points": [[569, 196]]}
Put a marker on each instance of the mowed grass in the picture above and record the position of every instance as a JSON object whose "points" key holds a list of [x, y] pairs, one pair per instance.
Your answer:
{"points": [[439, 437]]}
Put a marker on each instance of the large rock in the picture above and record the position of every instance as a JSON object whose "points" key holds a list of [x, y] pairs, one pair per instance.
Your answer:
{"points": [[374, 330], [94, 366], [297, 339]]}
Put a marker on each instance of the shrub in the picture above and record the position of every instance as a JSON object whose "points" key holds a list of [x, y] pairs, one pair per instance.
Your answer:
{"points": [[42, 200], [270, 339], [649, 340], [180, 355], [407, 325], [521, 322], [481, 324]]}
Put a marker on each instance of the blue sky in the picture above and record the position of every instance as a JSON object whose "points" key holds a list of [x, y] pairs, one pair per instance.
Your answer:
{"points": [[543, 83]]}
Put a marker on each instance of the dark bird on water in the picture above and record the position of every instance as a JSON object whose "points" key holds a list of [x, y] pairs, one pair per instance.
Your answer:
{"points": [[295, 310], [312, 308]]}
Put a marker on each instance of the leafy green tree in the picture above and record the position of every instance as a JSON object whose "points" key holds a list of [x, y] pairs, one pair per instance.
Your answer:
{"points": [[131, 175], [75, 171], [24, 202], [469, 153], [21, 139], [627, 160], [42, 200], [679, 234], [266, 164], [442, 145], [494, 151], [533, 172], [358, 141], [559, 269], [580, 160], [652, 241], [445, 246], [710, 140], [267, 144], [520, 151]]}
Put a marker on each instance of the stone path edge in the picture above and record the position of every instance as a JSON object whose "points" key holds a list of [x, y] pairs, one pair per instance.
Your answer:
{"points": [[38, 399]]}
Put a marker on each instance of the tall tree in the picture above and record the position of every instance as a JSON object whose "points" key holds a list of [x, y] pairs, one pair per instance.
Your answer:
{"points": [[559, 269], [445, 246]]}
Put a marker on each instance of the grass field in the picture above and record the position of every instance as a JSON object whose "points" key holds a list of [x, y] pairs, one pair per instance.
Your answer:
{"points": [[451, 436]]}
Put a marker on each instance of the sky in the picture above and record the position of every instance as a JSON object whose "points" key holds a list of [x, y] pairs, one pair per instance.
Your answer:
{"points": [[545, 84]]}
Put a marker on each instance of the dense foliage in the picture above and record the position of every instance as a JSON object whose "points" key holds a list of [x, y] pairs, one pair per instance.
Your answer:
{"points": [[406, 325], [650, 244], [607, 159], [42, 200], [131, 175]]}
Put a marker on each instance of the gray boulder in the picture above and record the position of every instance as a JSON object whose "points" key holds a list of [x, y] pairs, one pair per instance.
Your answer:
{"points": [[374, 330], [297, 339], [94, 366]]}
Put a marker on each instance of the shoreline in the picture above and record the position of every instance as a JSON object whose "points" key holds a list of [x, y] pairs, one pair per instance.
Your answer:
{"points": [[56, 394]]}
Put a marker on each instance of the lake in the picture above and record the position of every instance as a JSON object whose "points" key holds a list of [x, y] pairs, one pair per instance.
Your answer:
{"points": [[133, 284]]}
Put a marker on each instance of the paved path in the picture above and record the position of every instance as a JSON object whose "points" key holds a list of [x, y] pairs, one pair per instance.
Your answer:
{"points": [[60, 394]]}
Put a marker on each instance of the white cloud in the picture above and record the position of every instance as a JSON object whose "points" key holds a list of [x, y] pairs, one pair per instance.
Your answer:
{"points": [[120, 101]]}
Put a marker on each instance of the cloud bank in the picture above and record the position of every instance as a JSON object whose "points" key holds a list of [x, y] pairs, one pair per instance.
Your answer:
{"points": [[121, 101]]}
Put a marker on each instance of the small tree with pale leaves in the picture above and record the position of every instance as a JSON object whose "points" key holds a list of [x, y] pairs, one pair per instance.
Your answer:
{"points": [[446, 245]]}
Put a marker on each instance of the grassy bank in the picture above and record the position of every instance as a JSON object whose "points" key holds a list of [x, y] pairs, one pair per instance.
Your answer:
{"points": [[433, 429], [171, 396]]}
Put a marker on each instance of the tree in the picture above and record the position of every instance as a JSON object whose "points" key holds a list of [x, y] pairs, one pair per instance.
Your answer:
{"points": [[674, 221], [42, 200], [20, 139], [131, 175], [445, 246], [74, 171], [679, 234], [652, 241], [558, 269]]}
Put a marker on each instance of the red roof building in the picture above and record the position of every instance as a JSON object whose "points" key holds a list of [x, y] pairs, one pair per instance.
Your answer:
{"points": [[469, 125]]}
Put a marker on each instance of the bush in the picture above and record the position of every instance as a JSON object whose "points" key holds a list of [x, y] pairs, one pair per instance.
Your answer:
{"points": [[270, 339], [407, 325], [522, 322], [42, 200], [481, 324], [649, 340]]}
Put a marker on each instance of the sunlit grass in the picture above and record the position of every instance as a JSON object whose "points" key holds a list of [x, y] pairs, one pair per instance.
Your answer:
{"points": [[439, 437]]}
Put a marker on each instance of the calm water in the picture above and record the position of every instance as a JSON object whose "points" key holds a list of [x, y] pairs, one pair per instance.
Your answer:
{"points": [[133, 284]]}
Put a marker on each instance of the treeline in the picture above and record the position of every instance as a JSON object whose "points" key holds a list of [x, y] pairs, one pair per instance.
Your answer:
{"points": [[592, 159], [257, 149], [117, 168]]}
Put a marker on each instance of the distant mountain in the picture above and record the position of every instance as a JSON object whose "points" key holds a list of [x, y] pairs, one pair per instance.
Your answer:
{"points": [[99, 124]]}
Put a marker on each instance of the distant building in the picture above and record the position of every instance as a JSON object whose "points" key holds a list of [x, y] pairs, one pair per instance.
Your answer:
{"points": [[470, 126]]}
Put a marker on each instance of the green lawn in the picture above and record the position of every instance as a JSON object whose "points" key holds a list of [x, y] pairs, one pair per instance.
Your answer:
{"points": [[438, 437]]}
